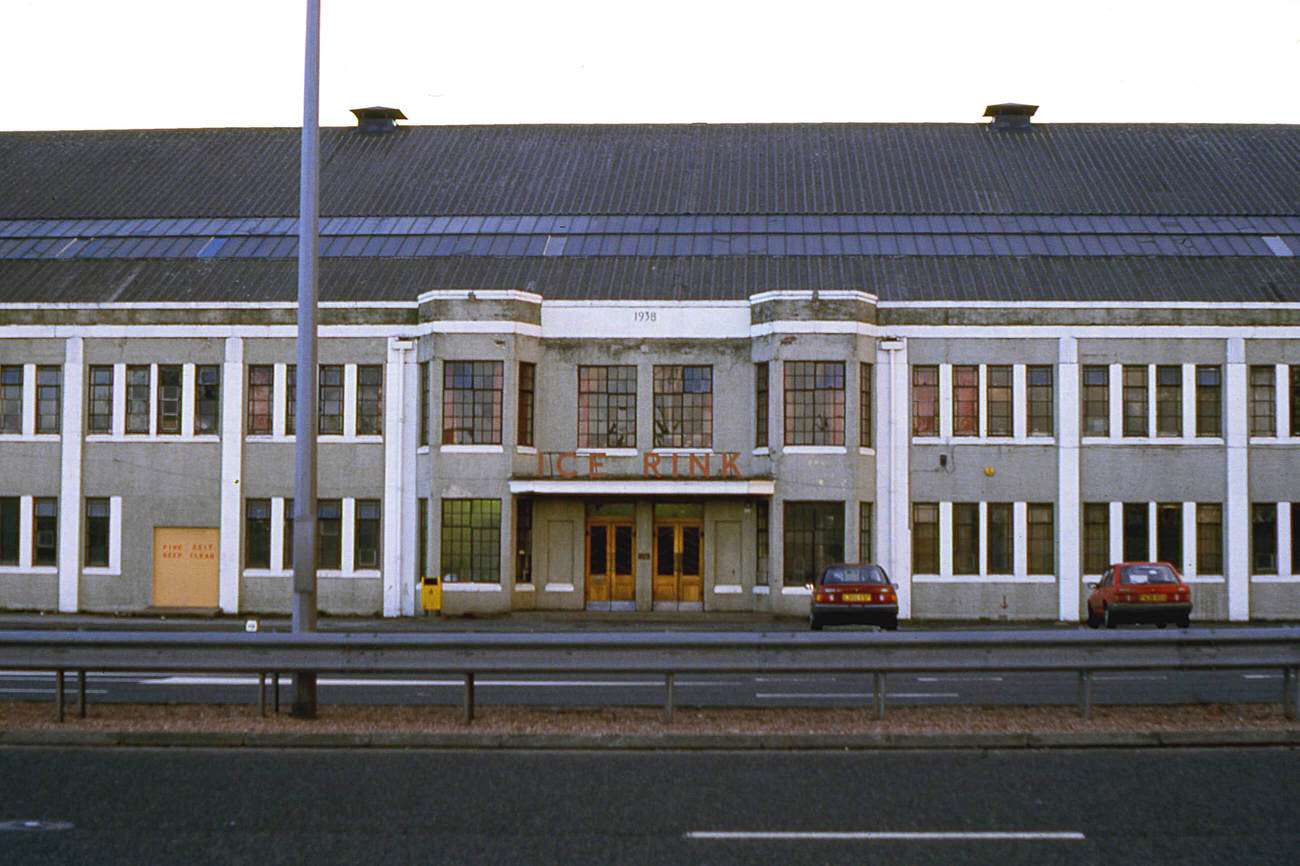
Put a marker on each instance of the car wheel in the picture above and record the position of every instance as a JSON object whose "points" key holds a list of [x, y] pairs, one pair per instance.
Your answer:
{"points": [[1105, 612], [892, 625], [1185, 622], [1094, 621], [1161, 624], [814, 624]]}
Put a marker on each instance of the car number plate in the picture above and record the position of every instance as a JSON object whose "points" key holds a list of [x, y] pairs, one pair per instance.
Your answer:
{"points": [[1153, 597], [857, 596]]}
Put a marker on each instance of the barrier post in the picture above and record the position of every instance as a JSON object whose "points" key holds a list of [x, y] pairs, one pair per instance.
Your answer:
{"points": [[878, 681], [81, 694], [467, 712], [668, 698], [58, 694], [1085, 694]]}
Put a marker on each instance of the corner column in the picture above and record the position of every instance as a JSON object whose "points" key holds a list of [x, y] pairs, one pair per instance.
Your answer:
{"points": [[1068, 493], [71, 438], [892, 467], [401, 427], [1237, 523], [232, 471]]}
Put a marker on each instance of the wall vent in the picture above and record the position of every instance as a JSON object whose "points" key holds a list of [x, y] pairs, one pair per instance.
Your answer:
{"points": [[377, 119], [1010, 116]]}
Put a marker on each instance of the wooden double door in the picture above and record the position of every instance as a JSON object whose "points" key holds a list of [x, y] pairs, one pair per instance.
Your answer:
{"points": [[679, 563], [611, 563]]}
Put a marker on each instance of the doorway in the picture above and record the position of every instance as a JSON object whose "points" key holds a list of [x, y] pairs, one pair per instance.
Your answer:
{"points": [[611, 561], [678, 557]]}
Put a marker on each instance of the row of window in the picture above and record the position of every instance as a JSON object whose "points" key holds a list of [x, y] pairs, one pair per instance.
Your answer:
{"points": [[40, 542], [982, 400], [261, 526], [149, 399]]}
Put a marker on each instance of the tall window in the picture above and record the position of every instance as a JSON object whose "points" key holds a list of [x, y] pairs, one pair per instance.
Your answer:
{"points": [[261, 385], [864, 407], [527, 402], [45, 531], [1096, 537], [524, 541], [137, 398], [1209, 401], [9, 539], [1295, 399], [1039, 400], [207, 398], [683, 406], [49, 399], [965, 400], [607, 407], [11, 398], [366, 534], [169, 398], [762, 543], [291, 399], [925, 538], [864, 532], [1042, 538], [471, 402], [1263, 538], [422, 537], [965, 538], [999, 400], [925, 401], [1096, 400], [760, 405], [1169, 533], [329, 405], [329, 533], [1137, 534], [370, 399], [1000, 551], [1209, 538], [1135, 400], [814, 403], [425, 385], [1263, 396], [471, 540], [99, 409], [286, 545], [257, 533], [96, 552], [814, 538], [1169, 400]]}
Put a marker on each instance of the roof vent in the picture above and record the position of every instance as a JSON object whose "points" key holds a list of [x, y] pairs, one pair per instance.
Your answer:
{"points": [[1009, 116], [377, 118]]}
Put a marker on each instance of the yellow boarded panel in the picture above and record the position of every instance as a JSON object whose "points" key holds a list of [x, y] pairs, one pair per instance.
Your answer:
{"points": [[185, 567]]}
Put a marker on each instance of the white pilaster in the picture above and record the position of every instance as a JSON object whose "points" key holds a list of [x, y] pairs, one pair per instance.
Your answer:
{"points": [[945, 539], [119, 400], [982, 538], [1237, 518], [945, 401], [1117, 532], [188, 386], [26, 525], [1188, 565], [277, 534], [1189, 403], [348, 536], [982, 380], [1019, 401], [70, 505], [1020, 538], [401, 429], [1115, 391], [1285, 542], [1152, 391], [279, 398], [1069, 408], [894, 421], [1282, 389], [349, 400], [232, 470], [1153, 530]]}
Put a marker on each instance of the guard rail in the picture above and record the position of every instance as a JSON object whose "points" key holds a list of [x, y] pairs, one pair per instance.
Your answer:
{"points": [[665, 654]]}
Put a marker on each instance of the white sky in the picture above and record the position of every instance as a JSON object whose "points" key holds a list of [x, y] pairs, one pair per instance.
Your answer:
{"points": [[113, 64]]}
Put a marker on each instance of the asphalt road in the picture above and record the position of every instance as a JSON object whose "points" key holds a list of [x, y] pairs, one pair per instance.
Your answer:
{"points": [[128, 806], [830, 690]]}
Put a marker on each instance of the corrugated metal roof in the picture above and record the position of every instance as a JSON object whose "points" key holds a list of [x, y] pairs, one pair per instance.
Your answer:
{"points": [[660, 169], [939, 278]]}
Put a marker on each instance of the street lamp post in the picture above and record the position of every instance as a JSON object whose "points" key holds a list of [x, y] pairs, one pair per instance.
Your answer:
{"points": [[304, 496]]}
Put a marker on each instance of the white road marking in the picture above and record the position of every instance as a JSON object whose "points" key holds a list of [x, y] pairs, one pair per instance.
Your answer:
{"points": [[958, 679], [478, 682], [1131, 677], [853, 694], [993, 835], [1261, 676], [47, 691]]}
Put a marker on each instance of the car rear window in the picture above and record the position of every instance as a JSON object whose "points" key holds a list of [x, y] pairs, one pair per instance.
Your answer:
{"points": [[855, 574], [1142, 574]]}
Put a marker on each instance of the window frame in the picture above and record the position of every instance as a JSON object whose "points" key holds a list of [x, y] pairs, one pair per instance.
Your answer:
{"points": [[169, 399], [1169, 400], [1209, 400], [45, 554], [1209, 538], [925, 400], [261, 400], [999, 538], [49, 390], [257, 533], [99, 398], [762, 405], [525, 416], [925, 537], [1040, 556], [207, 400], [97, 533], [369, 400], [607, 393], [11, 398], [472, 392], [1095, 397], [865, 406], [1040, 401], [479, 522], [999, 390], [1136, 399], [330, 399], [814, 403], [965, 400], [1262, 399], [367, 535], [682, 420], [825, 538]]}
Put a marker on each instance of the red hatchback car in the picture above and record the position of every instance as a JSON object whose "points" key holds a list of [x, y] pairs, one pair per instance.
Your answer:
{"points": [[1139, 592], [853, 593]]}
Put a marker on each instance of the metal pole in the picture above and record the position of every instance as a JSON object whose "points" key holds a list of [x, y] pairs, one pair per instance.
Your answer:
{"points": [[878, 681], [81, 694], [1085, 694], [668, 698], [467, 707], [304, 496], [58, 694]]}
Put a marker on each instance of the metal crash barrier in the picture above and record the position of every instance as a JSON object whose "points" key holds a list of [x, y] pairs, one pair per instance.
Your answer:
{"points": [[665, 655]]}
